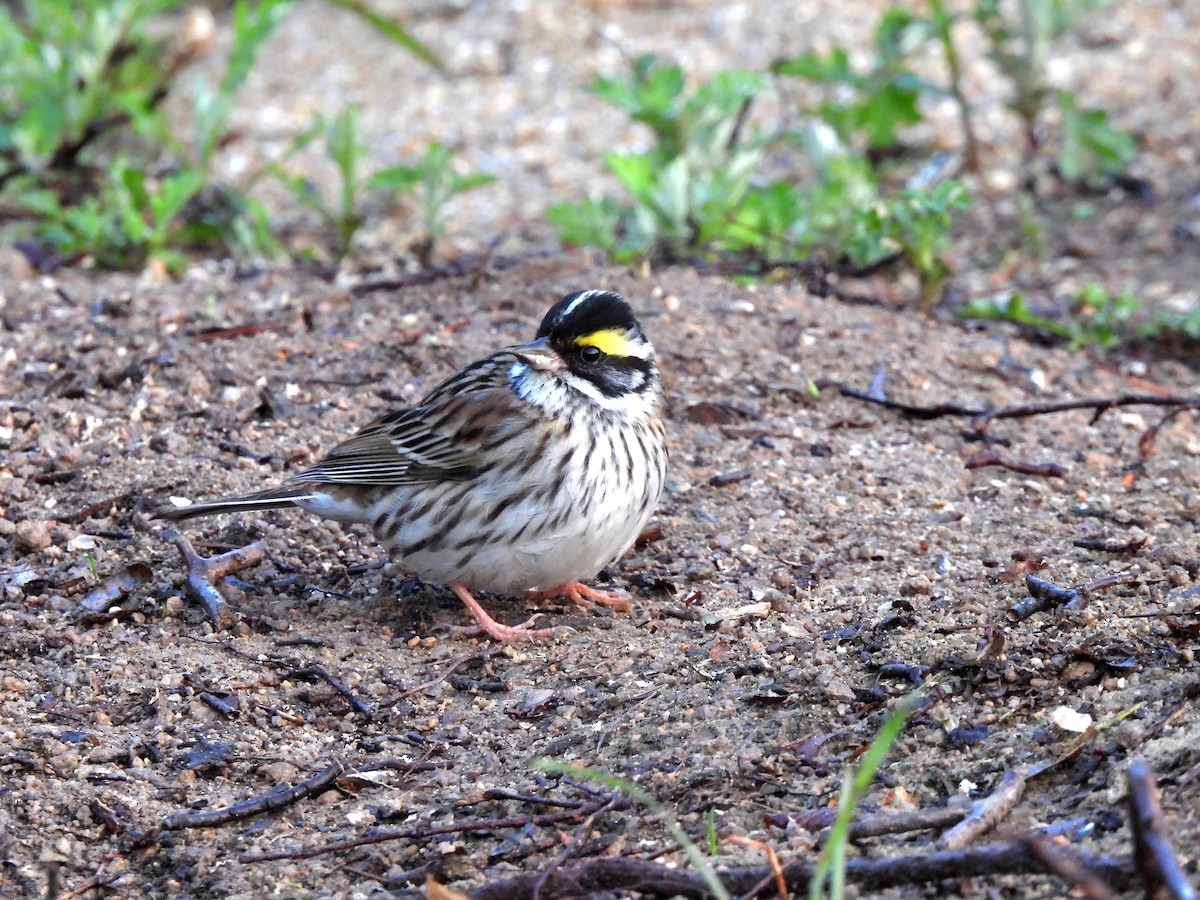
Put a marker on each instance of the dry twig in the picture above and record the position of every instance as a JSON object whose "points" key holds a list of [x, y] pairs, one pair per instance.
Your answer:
{"points": [[97, 882], [657, 880], [776, 873], [875, 824], [993, 457], [437, 679], [988, 812], [1157, 866], [573, 845], [981, 418], [277, 798], [376, 836], [203, 570], [1066, 865], [1043, 595], [318, 671]]}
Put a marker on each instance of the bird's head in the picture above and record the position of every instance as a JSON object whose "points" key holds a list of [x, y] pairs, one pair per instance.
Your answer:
{"points": [[592, 342]]}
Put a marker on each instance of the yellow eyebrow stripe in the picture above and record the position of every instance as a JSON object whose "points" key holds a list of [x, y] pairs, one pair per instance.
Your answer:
{"points": [[610, 340]]}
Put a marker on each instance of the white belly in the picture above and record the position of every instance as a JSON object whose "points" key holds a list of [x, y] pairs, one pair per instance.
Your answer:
{"points": [[539, 541]]}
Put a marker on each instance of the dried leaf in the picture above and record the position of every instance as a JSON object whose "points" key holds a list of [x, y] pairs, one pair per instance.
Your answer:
{"points": [[115, 587]]}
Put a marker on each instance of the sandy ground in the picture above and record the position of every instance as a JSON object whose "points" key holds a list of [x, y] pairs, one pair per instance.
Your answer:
{"points": [[817, 555]]}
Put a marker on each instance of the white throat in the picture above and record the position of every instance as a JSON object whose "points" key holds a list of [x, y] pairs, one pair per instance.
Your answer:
{"points": [[558, 393]]}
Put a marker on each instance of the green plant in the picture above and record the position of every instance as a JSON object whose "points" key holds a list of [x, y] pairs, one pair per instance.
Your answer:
{"points": [[97, 66], [695, 857], [66, 72], [212, 105], [879, 101], [432, 183], [345, 147], [699, 190], [688, 186], [428, 184], [86, 150], [915, 224], [942, 23], [1179, 324], [132, 219], [830, 874], [1090, 148], [1094, 317]]}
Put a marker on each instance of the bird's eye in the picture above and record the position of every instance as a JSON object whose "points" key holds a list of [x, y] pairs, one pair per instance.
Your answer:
{"points": [[590, 354]]}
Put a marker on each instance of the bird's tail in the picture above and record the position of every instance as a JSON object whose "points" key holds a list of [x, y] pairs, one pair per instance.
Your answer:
{"points": [[276, 498]]}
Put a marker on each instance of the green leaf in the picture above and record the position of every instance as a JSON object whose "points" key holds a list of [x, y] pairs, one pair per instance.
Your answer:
{"points": [[592, 223], [391, 29], [833, 69], [174, 193], [638, 172], [462, 183], [830, 873], [38, 201], [253, 23], [1091, 147], [395, 178], [432, 182], [899, 34], [344, 144], [1013, 309], [648, 95]]}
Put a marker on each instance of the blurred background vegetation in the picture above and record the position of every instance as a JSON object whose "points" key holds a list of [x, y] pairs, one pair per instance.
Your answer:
{"points": [[114, 115]]}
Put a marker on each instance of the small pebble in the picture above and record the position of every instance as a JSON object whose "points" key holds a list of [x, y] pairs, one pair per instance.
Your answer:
{"points": [[838, 690], [31, 536]]}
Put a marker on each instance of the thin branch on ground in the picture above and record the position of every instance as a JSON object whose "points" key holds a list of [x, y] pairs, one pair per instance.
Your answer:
{"points": [[776, 870], [659, 880], [536, 799], [816, 274], [993, 457], [573, 845], [873, 824], [1160, 871], [1150, 435], [203, 570], [1066, 865], [97, 882], [982, 417], [440, 677], [474, 265], [1130, 544], [375, 836], [318, 671], [99, 506], [988, 812], [1044, 595], [398, 764], [277, 798]]}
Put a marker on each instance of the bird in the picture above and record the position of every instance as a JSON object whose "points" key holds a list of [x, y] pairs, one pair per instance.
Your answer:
{"points": [[523, 474]]}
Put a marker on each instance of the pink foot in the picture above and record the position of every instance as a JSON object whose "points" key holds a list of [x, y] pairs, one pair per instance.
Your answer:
{"points": [[582, 595], [492, 628]]}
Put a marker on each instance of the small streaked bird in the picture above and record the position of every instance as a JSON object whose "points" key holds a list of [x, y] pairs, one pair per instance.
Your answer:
{"points": [[525, 473]]}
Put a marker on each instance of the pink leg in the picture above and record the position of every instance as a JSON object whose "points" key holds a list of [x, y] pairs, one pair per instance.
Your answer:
{"points": [[582, 595], [494, 629]]}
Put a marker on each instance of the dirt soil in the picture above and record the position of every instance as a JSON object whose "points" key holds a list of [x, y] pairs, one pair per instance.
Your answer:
{"points": [[816, 557]]}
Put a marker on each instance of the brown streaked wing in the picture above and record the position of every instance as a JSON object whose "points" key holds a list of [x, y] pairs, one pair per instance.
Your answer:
{"points": [[436, 440]]}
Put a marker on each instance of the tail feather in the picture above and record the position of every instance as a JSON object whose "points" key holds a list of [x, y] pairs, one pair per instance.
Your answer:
{"points": [[277, 498]]}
